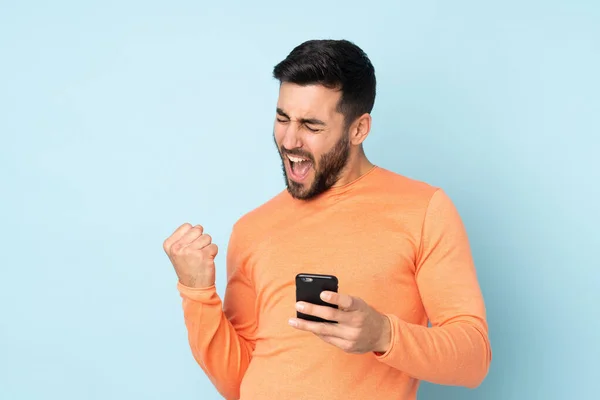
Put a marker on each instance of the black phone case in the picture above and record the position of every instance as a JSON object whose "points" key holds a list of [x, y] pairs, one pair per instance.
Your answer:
{"points": [[309, 288]]}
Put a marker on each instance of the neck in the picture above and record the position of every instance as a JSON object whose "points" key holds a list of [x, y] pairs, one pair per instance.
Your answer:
{"points": [[358, 165]]}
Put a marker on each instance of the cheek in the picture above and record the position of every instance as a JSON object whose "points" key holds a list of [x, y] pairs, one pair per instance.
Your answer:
{"points": [[278, 134], [317, 146]]}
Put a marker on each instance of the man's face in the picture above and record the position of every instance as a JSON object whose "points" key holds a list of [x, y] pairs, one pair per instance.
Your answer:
{"points": [[311, 138]]}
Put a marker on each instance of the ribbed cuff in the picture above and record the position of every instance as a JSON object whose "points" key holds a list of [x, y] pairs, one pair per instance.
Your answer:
{"points": [[394, 327], [197, 294]]}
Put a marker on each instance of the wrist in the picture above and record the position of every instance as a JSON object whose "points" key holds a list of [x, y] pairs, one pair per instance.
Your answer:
{"points": [[385, 338], [197, 282]]}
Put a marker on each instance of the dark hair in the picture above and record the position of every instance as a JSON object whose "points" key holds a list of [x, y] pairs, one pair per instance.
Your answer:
{"points": [[336, 64]]}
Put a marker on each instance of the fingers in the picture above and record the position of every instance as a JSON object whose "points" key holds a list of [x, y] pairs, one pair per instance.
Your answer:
{"points": [[200, 242], [344, 344], [318, 328], [337, 335], [190, 236], [211, 250], [175, 236], [325, 312], [343, 301]]}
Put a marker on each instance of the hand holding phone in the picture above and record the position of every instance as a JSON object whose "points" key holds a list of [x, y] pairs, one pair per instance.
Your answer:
{"points": [[309, 288]]}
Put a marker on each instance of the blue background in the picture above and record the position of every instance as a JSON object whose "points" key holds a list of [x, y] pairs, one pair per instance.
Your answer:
{"points": [[121, 120]]}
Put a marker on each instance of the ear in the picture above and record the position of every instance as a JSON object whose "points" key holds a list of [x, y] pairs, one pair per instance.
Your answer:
{"points": [[360, 128]]}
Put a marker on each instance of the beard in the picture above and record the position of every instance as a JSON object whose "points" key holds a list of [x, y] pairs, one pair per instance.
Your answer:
{"points": [[327, 170]]}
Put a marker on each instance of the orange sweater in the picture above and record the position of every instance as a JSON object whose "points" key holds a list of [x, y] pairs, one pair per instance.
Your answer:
{"points": [[397, 243]]}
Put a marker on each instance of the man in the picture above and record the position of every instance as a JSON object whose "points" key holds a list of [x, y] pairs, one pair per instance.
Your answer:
{"points": [[397, 246]]}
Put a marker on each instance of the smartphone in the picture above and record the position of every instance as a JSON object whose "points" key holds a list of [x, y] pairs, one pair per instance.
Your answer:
{"points": [[309, 288]]}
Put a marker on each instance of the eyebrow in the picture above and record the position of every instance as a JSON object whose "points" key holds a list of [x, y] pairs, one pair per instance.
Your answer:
{"points": [[312, 121]]}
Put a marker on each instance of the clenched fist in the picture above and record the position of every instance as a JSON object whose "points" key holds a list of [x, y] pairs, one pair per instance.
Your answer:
{"points": [[192, 253]]}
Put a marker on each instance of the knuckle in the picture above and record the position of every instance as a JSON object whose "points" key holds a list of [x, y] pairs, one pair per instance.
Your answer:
{"points": [[334, 298], [358, 320], [330, 314], [209, 250], [351, 303], [176, 248], [324, 329], [353, 336], [347, 346]]}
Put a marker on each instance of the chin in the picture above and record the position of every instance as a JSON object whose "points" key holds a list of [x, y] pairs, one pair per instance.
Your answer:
{"points": [[298, 190]]}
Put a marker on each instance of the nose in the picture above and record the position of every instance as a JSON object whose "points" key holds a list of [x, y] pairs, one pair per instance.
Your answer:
{"points": [[292, 136]]}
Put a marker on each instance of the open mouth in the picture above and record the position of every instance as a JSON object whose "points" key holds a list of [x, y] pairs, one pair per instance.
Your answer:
{"points": [[299, 167]]}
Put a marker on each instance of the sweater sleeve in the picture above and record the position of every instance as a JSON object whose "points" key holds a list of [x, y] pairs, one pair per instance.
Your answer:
{"points": [[455, 350], [222, 334]]}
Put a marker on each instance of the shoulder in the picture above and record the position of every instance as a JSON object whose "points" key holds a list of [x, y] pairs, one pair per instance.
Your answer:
{"points": [[422, 208], [429, 203], [412, 199], [401, 187]]}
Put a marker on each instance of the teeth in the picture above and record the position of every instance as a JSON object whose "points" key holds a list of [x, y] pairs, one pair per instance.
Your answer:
{"points": [[296, 159]]}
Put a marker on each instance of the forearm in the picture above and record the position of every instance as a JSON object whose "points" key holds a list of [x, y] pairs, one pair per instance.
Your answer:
{"points": [[220, 351], [457, 353]]}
